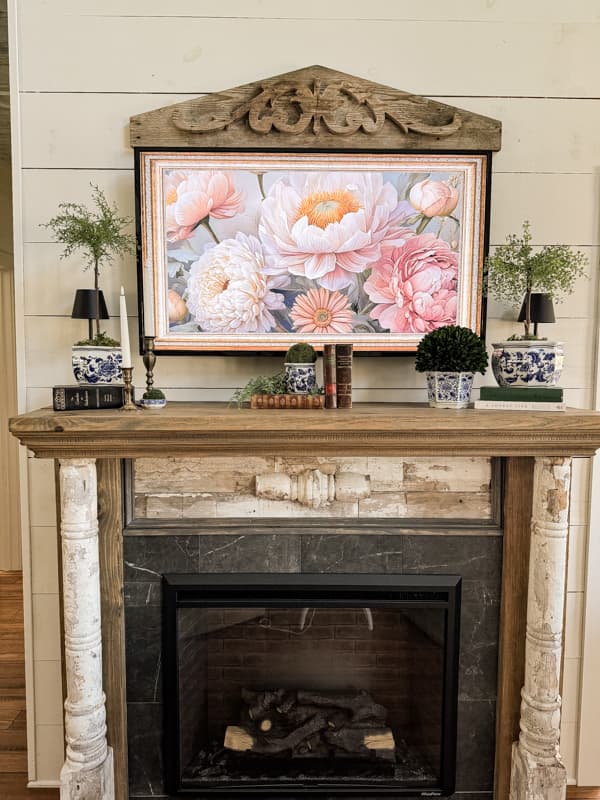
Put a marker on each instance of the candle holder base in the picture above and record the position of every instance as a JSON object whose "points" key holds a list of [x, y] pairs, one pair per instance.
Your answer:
{"points": [[129, 405]]}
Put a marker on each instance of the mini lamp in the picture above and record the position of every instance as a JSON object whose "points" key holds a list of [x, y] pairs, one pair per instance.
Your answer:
{"points": [[85, 304], [542, 310]]}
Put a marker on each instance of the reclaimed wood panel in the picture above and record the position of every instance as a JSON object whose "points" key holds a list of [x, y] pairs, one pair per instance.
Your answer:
{"points": [[110, 504]]}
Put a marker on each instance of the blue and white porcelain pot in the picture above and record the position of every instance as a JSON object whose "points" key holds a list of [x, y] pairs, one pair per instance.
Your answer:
{"points": [[449, 389], [300, 378], [97, 364], [527, 363]]}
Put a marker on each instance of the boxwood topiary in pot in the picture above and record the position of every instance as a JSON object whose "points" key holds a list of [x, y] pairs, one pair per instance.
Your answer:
{"points": [[300, 372], [450, 355]]}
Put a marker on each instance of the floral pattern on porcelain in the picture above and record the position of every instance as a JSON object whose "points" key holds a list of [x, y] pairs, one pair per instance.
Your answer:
{"points": [[153, 403], [527, 364], [97, 364], [300, 378], [449, 389]]}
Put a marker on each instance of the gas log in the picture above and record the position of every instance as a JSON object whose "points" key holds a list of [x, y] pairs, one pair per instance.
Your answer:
{"points": [[310, 724]]}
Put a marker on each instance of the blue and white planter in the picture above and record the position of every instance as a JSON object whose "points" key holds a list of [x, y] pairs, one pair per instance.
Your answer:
{"points": [[97, 364], [300, 378], [533, 363], [449, 389], [153, 403]]}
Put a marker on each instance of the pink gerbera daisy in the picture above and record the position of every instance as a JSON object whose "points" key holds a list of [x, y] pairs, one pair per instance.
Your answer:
{"points": [[322, 311]]}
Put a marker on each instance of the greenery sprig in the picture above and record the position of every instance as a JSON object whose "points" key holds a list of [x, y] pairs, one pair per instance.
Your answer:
{"points": [[516, 269], [98, 233], [451, 348]]}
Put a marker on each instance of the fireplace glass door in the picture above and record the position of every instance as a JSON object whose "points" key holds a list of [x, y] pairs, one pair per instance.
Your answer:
{"points": [[343, 685]]}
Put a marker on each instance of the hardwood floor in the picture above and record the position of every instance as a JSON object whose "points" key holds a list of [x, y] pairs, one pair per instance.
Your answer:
{"points": [[13, 743]]}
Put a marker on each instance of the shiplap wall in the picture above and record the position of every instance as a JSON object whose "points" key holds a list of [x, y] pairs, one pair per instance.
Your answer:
{"points": [[81, 68]]}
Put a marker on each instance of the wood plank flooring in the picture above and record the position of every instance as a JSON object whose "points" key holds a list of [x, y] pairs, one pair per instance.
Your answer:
{"points": [[13, 734], [13, 743]]}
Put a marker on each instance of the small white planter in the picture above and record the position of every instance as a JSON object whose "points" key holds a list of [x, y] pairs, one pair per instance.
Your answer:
{"points": [[300, 378], [527, 363], [153, 403], [97, 364], [449, 389]]}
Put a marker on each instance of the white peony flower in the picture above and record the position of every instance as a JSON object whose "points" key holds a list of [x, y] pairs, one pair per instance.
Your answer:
{"points": [[228, 290], [328, 226]]}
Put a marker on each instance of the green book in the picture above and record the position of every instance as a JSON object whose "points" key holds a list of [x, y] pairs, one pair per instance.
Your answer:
{"points": [[528, 394]]}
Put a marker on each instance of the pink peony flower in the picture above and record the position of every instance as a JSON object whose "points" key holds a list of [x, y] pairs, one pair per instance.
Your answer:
{"points": [[328, 226], [414, 286], [320, 311], [228, 291], [434, 198], [193, 195]]}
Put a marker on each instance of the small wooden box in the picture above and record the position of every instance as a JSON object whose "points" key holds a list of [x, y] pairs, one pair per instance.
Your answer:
{"points": [[287, 401]]}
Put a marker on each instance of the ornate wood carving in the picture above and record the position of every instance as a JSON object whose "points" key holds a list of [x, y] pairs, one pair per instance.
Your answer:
{"points": [[294, 107], [315, 107]]}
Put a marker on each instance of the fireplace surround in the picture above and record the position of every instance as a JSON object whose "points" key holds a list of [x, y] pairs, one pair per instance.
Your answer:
{"points": [[536, 450]]}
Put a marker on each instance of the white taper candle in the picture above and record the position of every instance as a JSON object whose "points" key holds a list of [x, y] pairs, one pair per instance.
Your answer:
{"points": [[126, 350]]}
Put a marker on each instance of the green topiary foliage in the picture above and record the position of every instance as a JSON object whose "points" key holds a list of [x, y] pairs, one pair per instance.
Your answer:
{"points": [[301, 354], [153, 394], [100, 340], [451, 349]]}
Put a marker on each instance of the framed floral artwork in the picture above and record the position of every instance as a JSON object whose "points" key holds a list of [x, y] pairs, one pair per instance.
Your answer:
{"points": [[255, 251]]}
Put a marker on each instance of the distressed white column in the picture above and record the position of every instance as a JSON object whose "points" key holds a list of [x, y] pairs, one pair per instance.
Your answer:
{"points": [[537, 772], [88, 770]]}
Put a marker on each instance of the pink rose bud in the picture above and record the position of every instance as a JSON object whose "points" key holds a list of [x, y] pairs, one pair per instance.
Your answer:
{"points": [[434, 198]]}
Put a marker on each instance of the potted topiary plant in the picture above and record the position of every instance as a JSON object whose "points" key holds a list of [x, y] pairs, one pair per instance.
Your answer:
{"points": [[300, 371], [514, 272], [153, 399], [450, 355], [98, 233]]}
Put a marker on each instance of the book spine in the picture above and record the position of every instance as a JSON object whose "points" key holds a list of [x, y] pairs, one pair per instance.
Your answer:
{"points": [[522, 394], [329, 370], [519, 405], [76, 398], [343, 375]]}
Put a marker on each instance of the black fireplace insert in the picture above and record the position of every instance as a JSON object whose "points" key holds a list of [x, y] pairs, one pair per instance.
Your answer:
{"points": [[327, 685]]}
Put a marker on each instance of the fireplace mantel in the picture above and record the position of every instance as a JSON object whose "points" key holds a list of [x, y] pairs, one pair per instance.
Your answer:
{"points": [[536, 449], [388, 428]]}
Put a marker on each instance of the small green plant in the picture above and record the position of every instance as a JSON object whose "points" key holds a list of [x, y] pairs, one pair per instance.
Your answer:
{"points": [[99, 340], [301, 353], [98, 233], [516, 270], [153, 394], [451, 349], [274, 384]]}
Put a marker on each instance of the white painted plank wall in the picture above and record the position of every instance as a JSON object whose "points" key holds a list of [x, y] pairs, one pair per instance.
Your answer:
{"points": [[85, 66]]}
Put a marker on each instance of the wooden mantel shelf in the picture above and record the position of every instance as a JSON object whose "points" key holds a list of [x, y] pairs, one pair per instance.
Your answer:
{"points": [[386, 428]]}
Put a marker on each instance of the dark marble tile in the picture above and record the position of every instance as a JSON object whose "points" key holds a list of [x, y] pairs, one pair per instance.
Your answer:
{"points": [[249, 552], [479, 629], [478, 559], [142, 593], [475, 745], [352, 553], [144, 722], [148, 557], [143, 653]]}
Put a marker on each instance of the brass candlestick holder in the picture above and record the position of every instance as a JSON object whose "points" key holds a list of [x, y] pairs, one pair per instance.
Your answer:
{"points": [[129, 405], [149, 359]]}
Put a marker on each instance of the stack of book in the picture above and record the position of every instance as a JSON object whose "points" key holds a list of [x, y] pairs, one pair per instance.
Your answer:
{"points": [[521, 398]]}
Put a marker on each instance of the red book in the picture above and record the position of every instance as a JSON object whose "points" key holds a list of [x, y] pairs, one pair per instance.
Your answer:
{"points": [[329, 376], [343, 370]]}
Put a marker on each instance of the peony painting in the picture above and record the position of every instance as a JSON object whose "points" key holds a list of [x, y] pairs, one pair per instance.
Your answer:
{"points": [[244, 251]]}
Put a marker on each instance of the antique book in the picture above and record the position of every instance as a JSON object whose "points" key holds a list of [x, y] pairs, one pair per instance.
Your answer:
{"points": [[519, 405], [528, 394], [88, 395], [343, 375], [287, 401], [329, 376]]}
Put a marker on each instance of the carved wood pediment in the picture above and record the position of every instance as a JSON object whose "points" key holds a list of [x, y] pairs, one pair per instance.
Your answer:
{"points": [[315, 107]]}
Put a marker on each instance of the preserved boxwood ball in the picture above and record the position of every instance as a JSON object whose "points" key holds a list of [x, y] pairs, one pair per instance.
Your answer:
{"points": [[451, 348], [301, 354]]}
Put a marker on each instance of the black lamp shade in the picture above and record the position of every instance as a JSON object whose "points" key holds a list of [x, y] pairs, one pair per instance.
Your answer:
{"points": [[86, 302], [542, 309]]}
